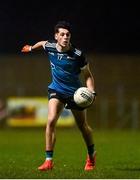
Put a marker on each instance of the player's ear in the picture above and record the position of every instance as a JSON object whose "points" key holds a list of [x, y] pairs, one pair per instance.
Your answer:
{"points": [[55, 36]]}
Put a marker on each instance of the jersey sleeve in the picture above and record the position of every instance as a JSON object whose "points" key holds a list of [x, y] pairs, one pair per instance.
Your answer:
{"points": [[49, 45]]}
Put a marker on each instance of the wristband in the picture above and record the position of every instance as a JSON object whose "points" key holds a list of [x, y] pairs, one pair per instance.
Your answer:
{"points": [[30, 48], [94, 93]]}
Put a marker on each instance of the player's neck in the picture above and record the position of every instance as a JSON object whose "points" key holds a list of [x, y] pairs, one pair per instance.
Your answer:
{"points": [[61, 48]]}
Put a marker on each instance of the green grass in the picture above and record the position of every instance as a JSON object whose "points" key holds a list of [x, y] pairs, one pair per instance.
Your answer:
{"points": [[22, 151]]}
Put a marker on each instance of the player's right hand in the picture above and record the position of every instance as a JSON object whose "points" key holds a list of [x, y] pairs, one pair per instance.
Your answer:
{"points": [[26, 49]]}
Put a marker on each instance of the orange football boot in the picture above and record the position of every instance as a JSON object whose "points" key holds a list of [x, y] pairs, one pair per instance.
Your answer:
{"points": [[90, 163], [47, 165]]}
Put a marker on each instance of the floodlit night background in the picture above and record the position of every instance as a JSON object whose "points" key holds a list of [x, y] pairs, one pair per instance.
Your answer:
{"points": [[109, 32]]}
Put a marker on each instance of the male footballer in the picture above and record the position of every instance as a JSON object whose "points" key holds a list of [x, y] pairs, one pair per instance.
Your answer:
{"points": [[67, 62]]}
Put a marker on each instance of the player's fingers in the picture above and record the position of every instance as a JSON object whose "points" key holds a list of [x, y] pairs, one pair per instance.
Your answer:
{"points": [[23, 50], [26, 48]]}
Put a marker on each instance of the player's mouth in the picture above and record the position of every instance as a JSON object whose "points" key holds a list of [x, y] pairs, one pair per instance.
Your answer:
{"points": [[65, 43]]}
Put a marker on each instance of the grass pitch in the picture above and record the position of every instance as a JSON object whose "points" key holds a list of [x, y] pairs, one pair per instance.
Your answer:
{"points": [[22, 151]]}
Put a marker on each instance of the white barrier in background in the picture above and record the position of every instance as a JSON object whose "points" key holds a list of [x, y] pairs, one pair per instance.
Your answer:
{"points": [[32, 111]]}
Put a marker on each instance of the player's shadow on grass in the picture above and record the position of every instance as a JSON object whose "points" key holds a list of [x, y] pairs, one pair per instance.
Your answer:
{"points": [[128, 169]]}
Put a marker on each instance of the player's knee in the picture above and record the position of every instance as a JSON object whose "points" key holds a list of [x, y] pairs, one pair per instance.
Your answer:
{"points": [[82, 125], [51, 123], [85, 127]]}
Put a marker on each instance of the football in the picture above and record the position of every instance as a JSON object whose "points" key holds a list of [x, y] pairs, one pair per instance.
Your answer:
{"points": [[83, 97]]}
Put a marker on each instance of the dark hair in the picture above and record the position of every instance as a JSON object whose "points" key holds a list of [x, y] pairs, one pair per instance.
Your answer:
{"points": [[62, 24]]}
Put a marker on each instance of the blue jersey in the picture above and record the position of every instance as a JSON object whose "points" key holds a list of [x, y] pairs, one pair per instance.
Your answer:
{"points": [[65, 68]]}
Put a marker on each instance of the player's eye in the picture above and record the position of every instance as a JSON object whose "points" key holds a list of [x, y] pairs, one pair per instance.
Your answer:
{"points": [[67, 34], [63, 34]]}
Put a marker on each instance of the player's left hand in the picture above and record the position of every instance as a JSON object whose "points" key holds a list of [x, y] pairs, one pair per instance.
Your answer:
{"points": [[26, 49]]}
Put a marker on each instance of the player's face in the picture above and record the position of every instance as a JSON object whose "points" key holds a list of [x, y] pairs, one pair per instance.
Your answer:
{"points": [[63, 37]]}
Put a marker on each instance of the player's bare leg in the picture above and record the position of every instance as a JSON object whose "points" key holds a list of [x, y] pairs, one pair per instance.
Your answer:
{"points": [[80, 117], [54, 109]]}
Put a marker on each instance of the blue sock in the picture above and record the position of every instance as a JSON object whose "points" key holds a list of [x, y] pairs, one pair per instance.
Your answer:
{"points": [[49, 155], [90, 150]]}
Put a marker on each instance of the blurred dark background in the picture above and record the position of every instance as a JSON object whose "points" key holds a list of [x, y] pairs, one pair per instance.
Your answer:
{"points": [[102, 26], [108, 31]]}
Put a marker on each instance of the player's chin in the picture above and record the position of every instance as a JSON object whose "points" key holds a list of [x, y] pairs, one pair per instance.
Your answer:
{"points": [[65, 44]]}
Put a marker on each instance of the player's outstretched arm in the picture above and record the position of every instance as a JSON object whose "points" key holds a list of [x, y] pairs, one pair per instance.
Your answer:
{"points": [[29, 48]]}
